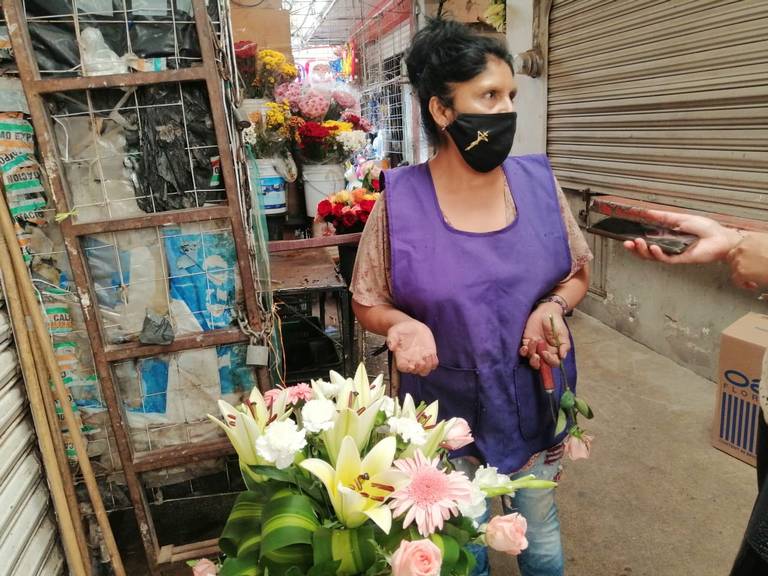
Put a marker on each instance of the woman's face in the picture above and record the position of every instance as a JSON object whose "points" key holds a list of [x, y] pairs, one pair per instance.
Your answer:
{"points": [[490, 92]]}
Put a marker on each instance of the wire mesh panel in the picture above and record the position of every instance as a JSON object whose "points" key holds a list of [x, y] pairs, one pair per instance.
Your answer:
{"points": [[141, 150], [167, 398], [383, 40], [154, 284], [95, 37]]}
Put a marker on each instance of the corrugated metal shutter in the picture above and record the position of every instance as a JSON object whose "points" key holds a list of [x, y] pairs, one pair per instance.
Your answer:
{"points": [[29, 541], [664, 101]]}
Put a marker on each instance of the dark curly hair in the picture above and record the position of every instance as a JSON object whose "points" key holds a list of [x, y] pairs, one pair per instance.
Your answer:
{"points": [[443, 53]]}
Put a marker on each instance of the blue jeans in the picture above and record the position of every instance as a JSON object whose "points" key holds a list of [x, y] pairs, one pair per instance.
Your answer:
{"points": [[544, 555]]}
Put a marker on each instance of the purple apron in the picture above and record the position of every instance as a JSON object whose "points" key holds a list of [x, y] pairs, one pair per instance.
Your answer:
{"points": [[476, 291]]}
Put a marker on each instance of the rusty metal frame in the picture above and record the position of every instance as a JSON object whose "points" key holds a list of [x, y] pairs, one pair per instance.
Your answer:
{"points": [[134, 463]]}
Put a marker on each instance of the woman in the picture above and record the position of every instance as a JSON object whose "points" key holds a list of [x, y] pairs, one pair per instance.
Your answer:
{"points": [[465, 264], [747, 255]]}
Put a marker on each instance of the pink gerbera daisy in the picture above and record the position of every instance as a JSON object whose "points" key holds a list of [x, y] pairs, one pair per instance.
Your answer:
{"points": [[431, 496]]}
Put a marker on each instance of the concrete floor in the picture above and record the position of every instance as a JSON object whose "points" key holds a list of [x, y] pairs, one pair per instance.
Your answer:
{"points": [[655, 498]]}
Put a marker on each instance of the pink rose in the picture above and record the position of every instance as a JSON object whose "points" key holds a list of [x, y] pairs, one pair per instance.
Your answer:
{"points": [[458, 435], [578, 447], [270, 396], [418, 558], [205, 567], [299, 393], [507, 534]]}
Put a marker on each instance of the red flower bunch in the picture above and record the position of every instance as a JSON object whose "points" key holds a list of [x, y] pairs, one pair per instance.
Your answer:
{"points": [[347, 211], [314, 140], [358, 122], [245, 49], [245, 58], [313, 132]]}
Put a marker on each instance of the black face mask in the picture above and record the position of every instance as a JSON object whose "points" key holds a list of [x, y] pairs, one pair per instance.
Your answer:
{"points": [[484, 140]]}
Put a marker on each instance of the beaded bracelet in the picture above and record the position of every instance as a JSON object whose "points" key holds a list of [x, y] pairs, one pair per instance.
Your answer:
{"points": [[557, 299]]}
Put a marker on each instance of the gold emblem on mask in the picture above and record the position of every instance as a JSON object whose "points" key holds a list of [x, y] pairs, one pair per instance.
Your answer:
{"points": [[482, 136]]}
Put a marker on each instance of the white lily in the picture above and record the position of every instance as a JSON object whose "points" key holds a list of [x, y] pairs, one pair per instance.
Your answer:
{"points": [[242, 430], [356, 424], [359, 488], [357, 402], [426, 418], [358, 392]]}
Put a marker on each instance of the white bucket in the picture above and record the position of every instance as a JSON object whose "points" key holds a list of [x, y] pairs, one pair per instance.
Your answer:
{"points": [[272, 187], [320, 181]]}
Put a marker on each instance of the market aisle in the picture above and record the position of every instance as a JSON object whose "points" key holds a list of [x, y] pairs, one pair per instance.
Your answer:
{"points": [[655, 499]]}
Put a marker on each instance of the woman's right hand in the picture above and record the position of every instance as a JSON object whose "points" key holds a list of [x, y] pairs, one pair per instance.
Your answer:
{"points": [[414, 347], [714, 243]]}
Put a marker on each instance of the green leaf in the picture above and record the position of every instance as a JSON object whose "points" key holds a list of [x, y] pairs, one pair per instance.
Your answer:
{"points": [[288, 519], [244, 521], [330, 568], [450, 549], [305, 483], [461, 535], [562, 421], [584, 408], [353, 549], [466, 564], [245, 566], [567, 400]]}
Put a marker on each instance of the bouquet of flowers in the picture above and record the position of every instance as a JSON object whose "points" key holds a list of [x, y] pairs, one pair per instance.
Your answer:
{"points": [[269, 135], [342, 480], [245, 58], [271, 70], [329, 141], [347, 211]]}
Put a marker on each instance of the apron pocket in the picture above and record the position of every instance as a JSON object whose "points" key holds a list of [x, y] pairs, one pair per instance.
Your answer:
{"points": [[533, 408], [456, 391]]}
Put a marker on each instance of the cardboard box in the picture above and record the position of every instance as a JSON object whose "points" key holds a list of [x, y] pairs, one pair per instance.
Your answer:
{"points": [[737, 409], [270, 29]]}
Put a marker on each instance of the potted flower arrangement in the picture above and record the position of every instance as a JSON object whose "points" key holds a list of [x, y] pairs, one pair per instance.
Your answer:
{"points": [[261, 71], [268, 145], [344, 480], [323, 147], [329, 130], [347, 211]]}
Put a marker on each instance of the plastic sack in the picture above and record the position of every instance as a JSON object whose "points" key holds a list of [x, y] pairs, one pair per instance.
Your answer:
{"points": [[98, 58]]}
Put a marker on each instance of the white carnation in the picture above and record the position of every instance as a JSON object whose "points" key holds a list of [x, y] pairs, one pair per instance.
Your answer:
{"points": [[317, 415], [280, 443], [476, 506], [250, 136], [409, 430], [488, 477], [352, 140]]}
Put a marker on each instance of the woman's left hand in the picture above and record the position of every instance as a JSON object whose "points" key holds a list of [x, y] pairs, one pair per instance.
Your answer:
{"points": [[539, 328]]}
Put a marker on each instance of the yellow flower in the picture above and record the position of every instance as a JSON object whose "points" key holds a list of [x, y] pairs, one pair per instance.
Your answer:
{"points": [[288, 70], [338, 126], [272, 58], [341, 198]]}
